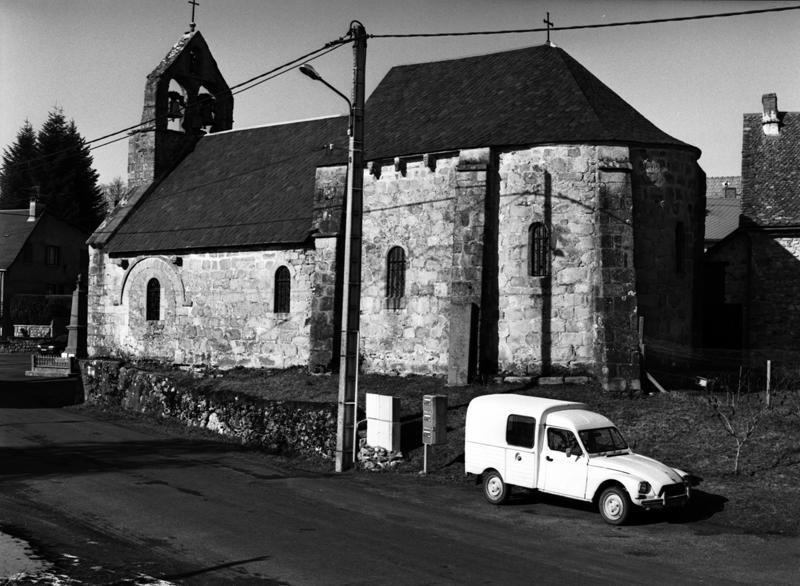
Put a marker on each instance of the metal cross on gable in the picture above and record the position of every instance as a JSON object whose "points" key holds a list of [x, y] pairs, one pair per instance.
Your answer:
{"points": [[194, 4], [549, 24]]}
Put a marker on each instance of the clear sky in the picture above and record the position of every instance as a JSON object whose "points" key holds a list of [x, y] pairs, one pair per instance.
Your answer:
{"points": [[694, 80]]}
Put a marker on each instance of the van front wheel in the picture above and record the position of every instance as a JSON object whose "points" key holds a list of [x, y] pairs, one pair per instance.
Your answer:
{"points": [[494, 489], [614, 505]]}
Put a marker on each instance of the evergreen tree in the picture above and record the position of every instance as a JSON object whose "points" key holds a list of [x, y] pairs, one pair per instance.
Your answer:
{"points": [[17, 179], [58, 161], [68, 183]]}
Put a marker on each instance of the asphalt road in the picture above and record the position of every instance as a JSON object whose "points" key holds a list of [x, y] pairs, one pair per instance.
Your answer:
{"points": [[109, 500]]}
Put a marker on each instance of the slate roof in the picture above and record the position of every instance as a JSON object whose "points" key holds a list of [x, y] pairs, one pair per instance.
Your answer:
{"points": [[534, 95], [250, 187], [255, 187], [14, 232], [722, 217], [771, 171]]}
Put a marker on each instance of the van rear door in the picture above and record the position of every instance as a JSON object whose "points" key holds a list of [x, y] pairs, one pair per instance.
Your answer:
{"points": [[521, 451]]}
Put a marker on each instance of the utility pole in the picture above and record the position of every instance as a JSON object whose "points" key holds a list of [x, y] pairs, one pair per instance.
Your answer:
{"points": [[351, 292]]}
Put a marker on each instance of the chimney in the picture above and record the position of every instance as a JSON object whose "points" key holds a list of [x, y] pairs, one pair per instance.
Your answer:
{"points": [[769, 119], [32, 210]]}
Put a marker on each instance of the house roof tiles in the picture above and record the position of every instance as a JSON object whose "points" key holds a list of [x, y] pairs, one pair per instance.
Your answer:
{"points": [[770, 172], [14, 232]]}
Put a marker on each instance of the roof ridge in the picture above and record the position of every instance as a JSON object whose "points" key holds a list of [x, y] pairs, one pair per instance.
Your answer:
{"points": [[272, 124], [475, 56]]}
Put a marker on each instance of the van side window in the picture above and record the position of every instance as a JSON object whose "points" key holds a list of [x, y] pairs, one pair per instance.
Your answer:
{"points": [[559, 440], [520, 431]]}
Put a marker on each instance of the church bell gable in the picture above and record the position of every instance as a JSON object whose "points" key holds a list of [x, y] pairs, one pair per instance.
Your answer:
{"points": [[185, 98]]}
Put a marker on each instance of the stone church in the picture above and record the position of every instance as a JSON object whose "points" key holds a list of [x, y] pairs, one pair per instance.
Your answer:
{"points": [[519, 218]]}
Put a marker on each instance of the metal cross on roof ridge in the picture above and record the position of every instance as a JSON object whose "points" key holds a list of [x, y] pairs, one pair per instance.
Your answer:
{"points": [[549, 24], [194, 3]]}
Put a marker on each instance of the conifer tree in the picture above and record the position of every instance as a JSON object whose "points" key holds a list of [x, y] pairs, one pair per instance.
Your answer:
{"points": [[59, 170], [68, 183], [17, 180]]}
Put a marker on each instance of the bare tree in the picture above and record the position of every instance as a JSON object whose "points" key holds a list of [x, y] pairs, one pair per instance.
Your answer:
{"points": [[739, 415], [113, 192]]}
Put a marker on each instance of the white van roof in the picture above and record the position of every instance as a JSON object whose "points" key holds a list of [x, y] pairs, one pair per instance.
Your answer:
{"points": [[522, 404], [495, 409], [578, 419]]}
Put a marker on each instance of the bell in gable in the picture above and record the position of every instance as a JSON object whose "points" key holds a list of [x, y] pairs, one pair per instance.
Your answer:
{"points": [[176, 105], [206, 109]]}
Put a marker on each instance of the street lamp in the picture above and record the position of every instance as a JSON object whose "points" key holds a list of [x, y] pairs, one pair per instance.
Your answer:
{"points": [[346, 427], [306, 69]]}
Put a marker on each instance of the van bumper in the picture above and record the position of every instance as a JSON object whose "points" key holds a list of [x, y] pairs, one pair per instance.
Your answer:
{"points": [[675, 495]]}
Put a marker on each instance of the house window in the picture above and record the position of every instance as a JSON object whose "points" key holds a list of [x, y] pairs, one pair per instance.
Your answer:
{"points": [[282, 290], [153, 307], [680, 248], [538, 250], [395, 278], [520, 430], [52, 255]]}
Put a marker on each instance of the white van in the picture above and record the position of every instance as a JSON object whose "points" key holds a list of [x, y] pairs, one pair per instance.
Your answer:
{"points": [[563, 448]]}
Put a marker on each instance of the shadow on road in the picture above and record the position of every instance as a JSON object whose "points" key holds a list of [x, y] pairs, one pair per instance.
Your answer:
{"points": [[40, 393], [702, 506], [22, 463]]}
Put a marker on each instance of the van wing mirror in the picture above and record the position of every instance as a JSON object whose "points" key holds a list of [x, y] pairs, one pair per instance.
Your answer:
{"points": [[574, 451]]}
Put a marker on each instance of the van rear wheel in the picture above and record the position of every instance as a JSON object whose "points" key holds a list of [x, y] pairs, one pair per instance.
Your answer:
{"points": [[615, 506], [494, 489]]}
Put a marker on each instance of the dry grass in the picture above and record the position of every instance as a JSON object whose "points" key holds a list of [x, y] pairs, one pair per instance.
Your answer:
{"points": [[678, 428]]}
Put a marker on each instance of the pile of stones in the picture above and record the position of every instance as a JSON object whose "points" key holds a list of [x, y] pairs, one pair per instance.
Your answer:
{"points": [[377, 459]]}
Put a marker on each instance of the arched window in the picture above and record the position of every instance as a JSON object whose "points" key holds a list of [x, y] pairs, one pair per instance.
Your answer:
{"points": [[395, 278], [153, 301], [680, 247], [283, 287], [538, 250]]}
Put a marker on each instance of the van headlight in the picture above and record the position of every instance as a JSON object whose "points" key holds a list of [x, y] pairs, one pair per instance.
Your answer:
{"points": [[644, 487]]}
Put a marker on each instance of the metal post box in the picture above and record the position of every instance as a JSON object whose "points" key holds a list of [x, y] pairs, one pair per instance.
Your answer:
{"points": [[434, 419]]}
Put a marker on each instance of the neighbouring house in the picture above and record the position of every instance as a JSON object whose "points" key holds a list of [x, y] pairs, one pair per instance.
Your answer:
{"points": [[753, 274], [723, 207], [519, 218], [41, 257]]}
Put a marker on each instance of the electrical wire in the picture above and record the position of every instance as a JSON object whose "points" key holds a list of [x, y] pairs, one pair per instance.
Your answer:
{"points": [[258, 79], [586, 26]]}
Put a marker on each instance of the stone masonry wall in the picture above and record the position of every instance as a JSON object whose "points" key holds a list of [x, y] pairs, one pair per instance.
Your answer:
{"points": [[561, 323], [668, 189], [279, 426], [774, 309], [216, 308], [410, 207]]}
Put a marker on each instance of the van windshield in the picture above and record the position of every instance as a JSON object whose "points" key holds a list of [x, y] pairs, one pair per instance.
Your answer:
{"points": [[603, 440]]}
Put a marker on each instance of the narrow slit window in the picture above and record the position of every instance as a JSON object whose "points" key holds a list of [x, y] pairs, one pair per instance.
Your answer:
{"points": [[395, 278], [283, 289], [153, 303], [538, 250]]}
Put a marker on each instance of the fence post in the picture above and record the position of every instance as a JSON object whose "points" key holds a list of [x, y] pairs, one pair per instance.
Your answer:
{"points": [[769, 377]]}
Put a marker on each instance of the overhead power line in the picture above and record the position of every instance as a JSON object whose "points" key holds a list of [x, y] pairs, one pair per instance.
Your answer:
{"points": [[250, 83], [587, 26], [333, 45]]}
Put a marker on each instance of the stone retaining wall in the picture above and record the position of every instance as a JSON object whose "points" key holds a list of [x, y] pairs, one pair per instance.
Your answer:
{"points": [[280, 426]]}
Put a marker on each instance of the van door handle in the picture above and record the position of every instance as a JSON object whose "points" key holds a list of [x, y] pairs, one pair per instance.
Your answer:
{"points": [[548, 458], [518, 457]]}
